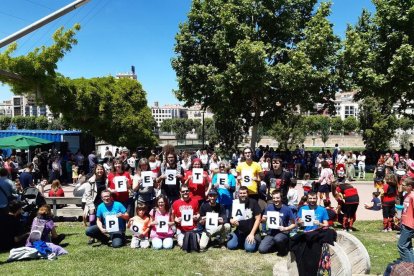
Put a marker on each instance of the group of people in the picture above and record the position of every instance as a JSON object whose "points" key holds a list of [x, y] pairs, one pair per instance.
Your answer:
{"points": [[195, 199]]}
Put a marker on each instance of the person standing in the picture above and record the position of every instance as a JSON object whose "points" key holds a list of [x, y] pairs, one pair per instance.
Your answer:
{"points": [[278, 178], [361, 165], [26, 177], [92, 161], [6, 191], [172, 191], [117, 178], [252, 171], [405, 246]]}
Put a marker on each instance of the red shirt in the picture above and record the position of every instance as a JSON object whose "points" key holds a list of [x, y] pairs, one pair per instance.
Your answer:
{"points": [[197, 191], [58, 193], [119, 196], [407, 217], [180, 205]]}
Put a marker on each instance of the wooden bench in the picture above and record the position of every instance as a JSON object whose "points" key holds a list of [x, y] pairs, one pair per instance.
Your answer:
{"points": [[55, 201]]}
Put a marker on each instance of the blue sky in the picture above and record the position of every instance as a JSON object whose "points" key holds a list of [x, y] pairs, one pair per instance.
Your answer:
{"points": [[116, 34]]}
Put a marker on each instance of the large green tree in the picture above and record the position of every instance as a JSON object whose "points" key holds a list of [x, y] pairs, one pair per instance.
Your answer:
{"points": [[378, 56], [254, 59], [113, 110], [378, 128], [289, 130]]}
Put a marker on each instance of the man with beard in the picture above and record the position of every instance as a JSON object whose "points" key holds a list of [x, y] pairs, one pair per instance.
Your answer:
{"points": [[246, 234], [278, 238], [277, 178], [321, 215], [170, 190]]}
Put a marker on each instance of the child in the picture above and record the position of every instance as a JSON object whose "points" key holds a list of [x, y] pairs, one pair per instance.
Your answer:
{"points": [[331, 212], [306, 184], [44, 229], [292, 196], [140, 227], [375, 203], [74, 173], [303, 201], [388, 197]]}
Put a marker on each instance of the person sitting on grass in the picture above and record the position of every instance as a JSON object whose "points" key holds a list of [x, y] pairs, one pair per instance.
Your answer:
{"points": [[44, 229], [106, 208], [160, 239], [375, 203], [246, 234], [278, 238], [223, 227], [139, 224], [184, 203], [12, 232], [321, 215]]}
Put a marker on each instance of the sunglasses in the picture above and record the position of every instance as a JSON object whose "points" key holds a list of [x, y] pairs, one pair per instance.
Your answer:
{"points": [[221, 167], [185, 192]]}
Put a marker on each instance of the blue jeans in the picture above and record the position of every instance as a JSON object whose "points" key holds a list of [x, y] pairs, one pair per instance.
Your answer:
{"points": [[117, 238], [405, 246], [280, 242], [238, 240]]}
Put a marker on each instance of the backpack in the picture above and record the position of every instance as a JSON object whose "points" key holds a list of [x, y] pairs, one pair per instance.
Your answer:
{"points": [[37, 230], [190, 242]]}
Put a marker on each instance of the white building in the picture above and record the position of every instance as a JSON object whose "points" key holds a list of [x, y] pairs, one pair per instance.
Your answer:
{"points": [[6, 108], [345, 105], [128, 75], [23, 106], [195, 112], [167, 112]]}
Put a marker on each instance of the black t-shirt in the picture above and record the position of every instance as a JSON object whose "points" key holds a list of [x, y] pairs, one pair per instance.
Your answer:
{"points": [[282, 182], [10, 227], [218, 208], [100, 186], [252, 209]]}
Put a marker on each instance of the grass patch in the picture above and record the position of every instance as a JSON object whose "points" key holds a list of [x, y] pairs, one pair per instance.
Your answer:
{"points": [[98, 260]]}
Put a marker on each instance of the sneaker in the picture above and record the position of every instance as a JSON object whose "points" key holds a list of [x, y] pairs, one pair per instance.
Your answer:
{"points": [[91, 241], [385, 230], [350, 230], [389, 229]]}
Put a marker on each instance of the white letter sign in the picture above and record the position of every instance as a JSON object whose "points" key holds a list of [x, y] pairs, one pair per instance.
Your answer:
{"points": [[247, 178], [211, 221], [222, 180], [121, 184], [187, 217], [162, 224], [171, 177], [238, 210], [308, 216], [273, 219], [111, 223], [147, 180], [197, 175]]}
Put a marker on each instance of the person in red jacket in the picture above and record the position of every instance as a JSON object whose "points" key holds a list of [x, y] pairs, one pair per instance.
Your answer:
{"points": [[119, 184], [198, 191], [349, 204], [388, 197]]}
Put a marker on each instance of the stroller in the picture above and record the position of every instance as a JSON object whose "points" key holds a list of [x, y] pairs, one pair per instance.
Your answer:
{"points": [[31, 201]]}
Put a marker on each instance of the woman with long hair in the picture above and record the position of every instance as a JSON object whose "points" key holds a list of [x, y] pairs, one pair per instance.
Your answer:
{"points": [[143, 194], [161, 240], [93, 188], [120, 185]]}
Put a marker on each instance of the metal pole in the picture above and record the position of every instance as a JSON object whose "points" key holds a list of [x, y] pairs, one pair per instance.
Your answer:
{"points": [[42, 22], [202, 133]]}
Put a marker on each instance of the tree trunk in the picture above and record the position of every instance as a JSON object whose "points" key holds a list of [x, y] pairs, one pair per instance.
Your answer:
{"points": [[253, 140]]}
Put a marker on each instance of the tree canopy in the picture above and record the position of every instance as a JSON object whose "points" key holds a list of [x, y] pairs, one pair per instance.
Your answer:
{"points": [[378, 56], [253, 59], [110, 109]]}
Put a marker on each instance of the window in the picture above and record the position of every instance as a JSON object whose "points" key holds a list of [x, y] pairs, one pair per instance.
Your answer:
{"points": [[349, 111]]}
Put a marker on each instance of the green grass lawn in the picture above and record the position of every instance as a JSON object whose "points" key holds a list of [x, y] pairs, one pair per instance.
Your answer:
{"points": [[93, 260]]}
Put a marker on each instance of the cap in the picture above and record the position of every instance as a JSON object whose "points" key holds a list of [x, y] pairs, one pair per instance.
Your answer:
{"points": [[212, 192]]}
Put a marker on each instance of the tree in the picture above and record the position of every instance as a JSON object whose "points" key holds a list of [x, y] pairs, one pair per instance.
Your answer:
{"points": [[378, 127], [289, 130], [113, 110], [325, 127], [5, 122], [337, 125], [167, 125], [350, 124], [254, 59], [378, 57], [41, 122]]}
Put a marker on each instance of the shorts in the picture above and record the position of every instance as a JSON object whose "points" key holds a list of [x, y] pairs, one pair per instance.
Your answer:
{"points": [[324, 188], [388, 211]]}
